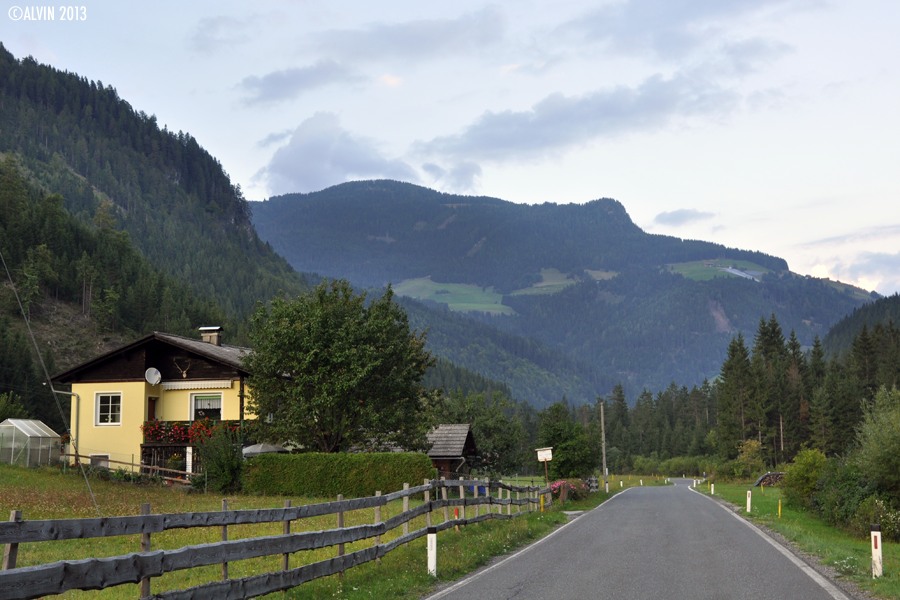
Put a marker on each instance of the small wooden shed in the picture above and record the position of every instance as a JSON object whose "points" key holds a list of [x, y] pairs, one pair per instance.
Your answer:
{"points": [[452, 448]]}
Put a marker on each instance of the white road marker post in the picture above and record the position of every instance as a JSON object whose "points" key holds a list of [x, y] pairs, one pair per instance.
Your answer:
{"points": [[431, 543], [749, 493], [712, 489], [877, 564]]}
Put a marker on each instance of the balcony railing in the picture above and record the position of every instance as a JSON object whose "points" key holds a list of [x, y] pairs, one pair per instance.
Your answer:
{"points": [[165, 443]]}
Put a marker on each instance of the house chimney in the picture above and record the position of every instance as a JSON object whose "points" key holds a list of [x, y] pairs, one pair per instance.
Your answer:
{"points": [[211, 335]]}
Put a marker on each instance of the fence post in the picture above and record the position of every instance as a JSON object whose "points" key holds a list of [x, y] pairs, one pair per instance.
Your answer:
{"points": [[428, 502], [432, 551], [377, 521], [285, 560], [145, 547], [444, 498], [877, 564], [224, 539], [340, 525], [475, 496], [509, 499], [11, 551], [462, 496], [406, 509], [518, 498]]}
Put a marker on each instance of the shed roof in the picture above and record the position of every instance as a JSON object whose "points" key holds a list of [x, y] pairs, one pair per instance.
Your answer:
{"points": [[451, 440], [31, 428]]}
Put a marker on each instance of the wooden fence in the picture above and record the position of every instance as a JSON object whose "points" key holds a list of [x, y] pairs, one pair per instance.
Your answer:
{"points": [[471, 496]]}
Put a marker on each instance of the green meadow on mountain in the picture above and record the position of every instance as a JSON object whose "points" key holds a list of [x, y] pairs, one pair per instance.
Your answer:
{"points": [[582, 283]]}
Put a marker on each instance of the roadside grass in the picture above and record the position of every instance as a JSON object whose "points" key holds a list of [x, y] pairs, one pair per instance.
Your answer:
{"points": [[49, 493], [402, 574], [849, 556]]}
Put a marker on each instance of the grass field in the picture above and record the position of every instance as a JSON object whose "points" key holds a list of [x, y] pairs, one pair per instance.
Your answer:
{"points": [[462, 297], [49, 493], [458, 297], [704, 270], [850, 557]]}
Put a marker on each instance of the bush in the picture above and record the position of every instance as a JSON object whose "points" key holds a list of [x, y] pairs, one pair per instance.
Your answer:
{"points": [[325, 475], [878, 437], [874, 510], [685, 465], [648, 465], [221, 460], [840, 491], [576, 489], [801, 477]]}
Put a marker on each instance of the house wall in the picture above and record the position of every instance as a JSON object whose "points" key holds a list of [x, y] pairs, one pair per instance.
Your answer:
{"points": [[175, 405], [122, 442]]}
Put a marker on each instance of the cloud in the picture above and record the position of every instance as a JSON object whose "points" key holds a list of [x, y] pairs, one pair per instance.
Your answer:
{"points": [[213, 33], [274, 138], [667, 29], [414, 40], [320, 153], [872, 270], [289, 83], [559, 122], [460, 178], [865, 234], [682, 216]]}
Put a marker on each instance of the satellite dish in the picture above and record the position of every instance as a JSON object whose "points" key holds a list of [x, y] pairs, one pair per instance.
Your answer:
{"points": [[153, 376]]}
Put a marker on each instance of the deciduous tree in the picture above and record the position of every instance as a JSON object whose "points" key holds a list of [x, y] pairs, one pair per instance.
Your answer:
{"points": [[331, 371]]}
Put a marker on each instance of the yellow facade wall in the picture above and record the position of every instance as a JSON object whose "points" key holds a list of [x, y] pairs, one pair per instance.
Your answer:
{"points": [[122, 442]]}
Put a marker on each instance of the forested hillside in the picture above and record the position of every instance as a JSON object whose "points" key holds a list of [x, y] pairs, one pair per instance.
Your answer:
{"points": [[79, 139], [123, 178], [603, 301], [532, 372], [771, 400], [387, 231], [84, 288], [874, 317]]}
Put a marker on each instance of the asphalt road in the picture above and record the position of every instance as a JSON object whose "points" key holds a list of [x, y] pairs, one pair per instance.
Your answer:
{"points": [[650, 542]]}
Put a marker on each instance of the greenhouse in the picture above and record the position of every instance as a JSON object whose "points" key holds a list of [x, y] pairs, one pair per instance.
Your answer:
{"points": [[28, 443]]}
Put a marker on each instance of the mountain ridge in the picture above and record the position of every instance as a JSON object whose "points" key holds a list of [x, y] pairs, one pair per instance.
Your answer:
{"points": [[642, 309]]}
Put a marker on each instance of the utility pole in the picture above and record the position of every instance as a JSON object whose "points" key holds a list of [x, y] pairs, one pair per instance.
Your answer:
{"points": [[603, 446]]}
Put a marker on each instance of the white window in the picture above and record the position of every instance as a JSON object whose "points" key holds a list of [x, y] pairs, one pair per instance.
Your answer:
{"points": [[109, 408], [207, 406]]}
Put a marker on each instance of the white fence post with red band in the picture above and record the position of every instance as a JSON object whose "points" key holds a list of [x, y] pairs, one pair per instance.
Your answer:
{"points": [[877, 564]]}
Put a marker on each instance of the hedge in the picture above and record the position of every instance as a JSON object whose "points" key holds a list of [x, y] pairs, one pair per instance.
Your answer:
{"points": [[323, 475]]}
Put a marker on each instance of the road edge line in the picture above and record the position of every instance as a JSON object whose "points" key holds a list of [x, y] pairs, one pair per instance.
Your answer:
{"points": [[798, 562], [470, 578]]}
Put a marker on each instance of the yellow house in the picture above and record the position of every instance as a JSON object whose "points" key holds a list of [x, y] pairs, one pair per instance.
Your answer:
{"points": [[136, 404]]}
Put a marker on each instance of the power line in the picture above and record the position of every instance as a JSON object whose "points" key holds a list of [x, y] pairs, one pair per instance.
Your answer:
{"points": [[46, 373]]}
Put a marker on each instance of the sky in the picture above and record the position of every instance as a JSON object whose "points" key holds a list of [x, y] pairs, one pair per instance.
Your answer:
{"points": [[769, 125]]}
